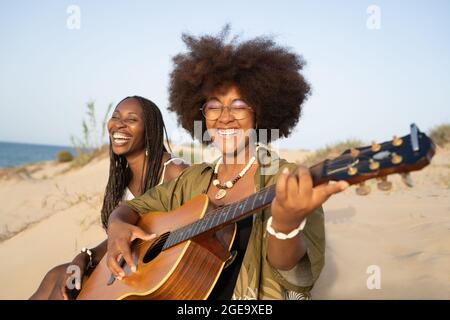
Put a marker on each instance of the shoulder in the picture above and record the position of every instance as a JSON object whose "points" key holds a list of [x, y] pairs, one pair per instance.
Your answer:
{"points": [[197, 169], [181, 169], [174, 167]]}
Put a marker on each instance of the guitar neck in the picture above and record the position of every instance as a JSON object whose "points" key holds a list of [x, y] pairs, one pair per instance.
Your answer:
{"points": [[234, 212], [401, 155]]}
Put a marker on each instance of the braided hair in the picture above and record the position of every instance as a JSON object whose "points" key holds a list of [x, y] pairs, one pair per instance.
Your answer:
{"points": [[120, 174]]}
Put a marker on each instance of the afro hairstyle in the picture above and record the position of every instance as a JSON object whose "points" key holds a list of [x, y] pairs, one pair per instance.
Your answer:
{"points": [[266, 74]]}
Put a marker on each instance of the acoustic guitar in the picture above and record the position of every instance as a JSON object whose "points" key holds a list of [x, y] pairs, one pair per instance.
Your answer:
{"points": [[193, 242]]}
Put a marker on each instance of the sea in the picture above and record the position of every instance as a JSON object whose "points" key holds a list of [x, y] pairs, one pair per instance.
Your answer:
{"points": [[16, 154]]}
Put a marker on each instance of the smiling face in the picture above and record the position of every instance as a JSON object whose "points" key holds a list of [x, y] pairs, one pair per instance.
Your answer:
{"points": [[126, 128], [229, 134]]}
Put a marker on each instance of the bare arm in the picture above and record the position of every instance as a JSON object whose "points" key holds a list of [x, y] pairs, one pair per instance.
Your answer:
{"points": [[296, 198], [123, 214], [285, 254]]}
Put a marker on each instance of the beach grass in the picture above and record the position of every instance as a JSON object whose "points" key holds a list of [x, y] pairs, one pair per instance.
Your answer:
{"points": [[330, 151], [440, 134]]}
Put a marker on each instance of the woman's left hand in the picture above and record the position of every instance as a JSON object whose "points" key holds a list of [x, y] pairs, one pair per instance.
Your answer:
{"points": [[296, 198], [80, 262]]}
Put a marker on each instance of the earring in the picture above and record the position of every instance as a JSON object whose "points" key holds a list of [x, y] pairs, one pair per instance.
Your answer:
{"points": [[146, 152]]}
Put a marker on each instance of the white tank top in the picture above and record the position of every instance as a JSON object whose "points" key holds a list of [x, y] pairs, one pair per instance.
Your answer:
{"points": [[127, 195], [165, 165]]}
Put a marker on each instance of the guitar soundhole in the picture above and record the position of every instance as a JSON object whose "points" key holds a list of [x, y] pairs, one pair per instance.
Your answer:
{"points": [[156, 248]]}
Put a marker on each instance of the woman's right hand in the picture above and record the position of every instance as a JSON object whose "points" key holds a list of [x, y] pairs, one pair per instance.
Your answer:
{"points": [[120, 236]]}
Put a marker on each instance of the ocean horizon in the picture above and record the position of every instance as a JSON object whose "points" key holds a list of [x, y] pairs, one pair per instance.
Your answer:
{"points": [[13, 154]]}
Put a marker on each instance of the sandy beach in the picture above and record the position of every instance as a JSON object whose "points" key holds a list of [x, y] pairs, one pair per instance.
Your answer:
{"points": [[48, 215]]}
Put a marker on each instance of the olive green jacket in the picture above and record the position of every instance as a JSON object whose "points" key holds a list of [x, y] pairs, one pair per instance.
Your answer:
{"points": [[257, 278]]}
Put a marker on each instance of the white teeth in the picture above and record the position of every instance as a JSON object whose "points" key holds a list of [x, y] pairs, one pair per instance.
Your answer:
{"points": [[226, 132], [120, 139], [121, 136]]}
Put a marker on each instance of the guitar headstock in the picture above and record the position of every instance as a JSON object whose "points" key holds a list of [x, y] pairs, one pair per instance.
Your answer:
{"points": [[399, 155]]}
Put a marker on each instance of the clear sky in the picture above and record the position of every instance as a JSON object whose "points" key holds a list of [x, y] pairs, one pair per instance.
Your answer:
{"points": [[367, 83]]}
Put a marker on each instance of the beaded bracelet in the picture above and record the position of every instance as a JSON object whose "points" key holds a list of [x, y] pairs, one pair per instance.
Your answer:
{"points": [[89, 253], [283, 236]]}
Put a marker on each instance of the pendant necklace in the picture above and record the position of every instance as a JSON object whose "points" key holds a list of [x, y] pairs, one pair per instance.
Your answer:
{"points": [[230, 183]]}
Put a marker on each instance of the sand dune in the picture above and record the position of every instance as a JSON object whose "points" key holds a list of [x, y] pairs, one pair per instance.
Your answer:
{"points": [[46, 217]]}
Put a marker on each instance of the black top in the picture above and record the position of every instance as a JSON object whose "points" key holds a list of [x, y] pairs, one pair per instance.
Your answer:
{"points": [[224, 287]]}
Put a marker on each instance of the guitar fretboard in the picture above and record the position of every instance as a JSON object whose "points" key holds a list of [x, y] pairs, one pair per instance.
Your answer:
{"points": [[222, 216], [234, 211]]}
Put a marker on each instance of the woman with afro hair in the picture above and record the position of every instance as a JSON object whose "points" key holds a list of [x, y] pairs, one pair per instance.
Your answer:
{"points": [[222, 93]]}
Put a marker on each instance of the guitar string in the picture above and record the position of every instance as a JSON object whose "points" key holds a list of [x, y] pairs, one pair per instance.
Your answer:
{"points": [[211, 215], [205, 218], [335, 164], [364, 154]]}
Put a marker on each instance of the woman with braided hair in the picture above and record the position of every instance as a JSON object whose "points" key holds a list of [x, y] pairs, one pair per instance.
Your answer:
{"points": [[139, 161]]}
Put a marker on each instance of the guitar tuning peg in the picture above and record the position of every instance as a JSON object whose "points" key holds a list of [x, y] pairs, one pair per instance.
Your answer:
{"points": [[354, 152], [406, 178], [352, 171], [374, 165], [397, 142], [384, 184], [375, 147], [363, 189], [395, 158]]}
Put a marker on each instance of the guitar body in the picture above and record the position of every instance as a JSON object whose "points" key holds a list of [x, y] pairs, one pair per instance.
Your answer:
{"points": [[188, 270]]}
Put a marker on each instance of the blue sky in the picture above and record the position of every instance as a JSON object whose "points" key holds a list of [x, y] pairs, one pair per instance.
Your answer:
{"points": [[367, 83]]}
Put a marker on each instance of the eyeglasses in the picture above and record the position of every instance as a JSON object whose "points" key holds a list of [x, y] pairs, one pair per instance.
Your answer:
{"points": [[212, 110]]}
